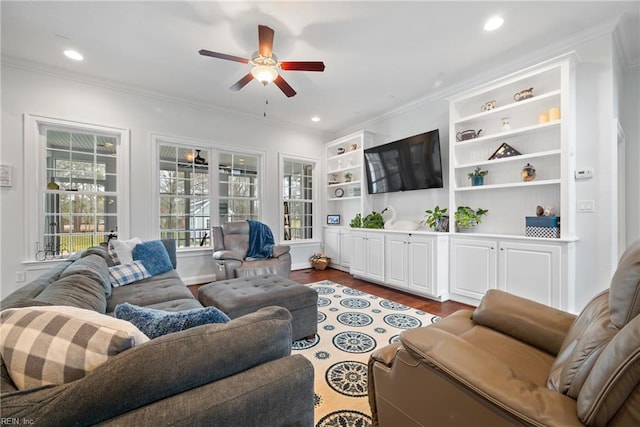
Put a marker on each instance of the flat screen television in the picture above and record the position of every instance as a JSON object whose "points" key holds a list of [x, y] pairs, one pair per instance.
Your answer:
{"points": [[411, 163]]}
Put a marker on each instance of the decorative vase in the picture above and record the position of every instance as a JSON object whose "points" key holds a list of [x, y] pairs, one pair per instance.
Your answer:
{"points": [[442, 224], [528, 173], [477, 180]]}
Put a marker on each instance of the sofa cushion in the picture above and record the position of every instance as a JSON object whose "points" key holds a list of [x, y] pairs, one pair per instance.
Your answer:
{"points": [[155, 323], [100, 251], [76, 290], [123, 274], [154, 256], [92, 266], [624, 292], [123, 249], [57, 345], [161, 289]]}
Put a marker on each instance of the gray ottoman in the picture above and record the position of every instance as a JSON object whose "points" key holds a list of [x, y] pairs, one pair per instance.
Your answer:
{"points": [[237, 297]]}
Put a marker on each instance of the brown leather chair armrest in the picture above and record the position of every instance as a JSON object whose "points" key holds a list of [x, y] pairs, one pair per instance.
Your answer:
{"points": [[536, 324], [386, 354], [486, 376], [228, 255], [279, 250]]}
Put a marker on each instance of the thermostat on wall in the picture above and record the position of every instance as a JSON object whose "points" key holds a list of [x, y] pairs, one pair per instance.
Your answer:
{"points": [[584, 174]]}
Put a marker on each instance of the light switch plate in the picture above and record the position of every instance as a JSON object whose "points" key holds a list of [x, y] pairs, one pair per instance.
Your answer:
{"points": [[586, 206]]}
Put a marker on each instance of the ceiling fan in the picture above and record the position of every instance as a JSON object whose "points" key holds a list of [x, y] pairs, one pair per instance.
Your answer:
{"points": [[265, 64]]}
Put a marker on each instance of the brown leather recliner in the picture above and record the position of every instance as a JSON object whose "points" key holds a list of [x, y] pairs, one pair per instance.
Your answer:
{"points": [[230, 244], [516, 362]]}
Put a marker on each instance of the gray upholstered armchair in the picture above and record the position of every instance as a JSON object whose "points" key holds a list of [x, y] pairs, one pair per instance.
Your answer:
{"points": [[230, 245]]}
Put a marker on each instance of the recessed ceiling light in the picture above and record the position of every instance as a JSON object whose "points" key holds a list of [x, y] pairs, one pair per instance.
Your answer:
{"points": [[73, 54], [493, 23], [315, 119]]}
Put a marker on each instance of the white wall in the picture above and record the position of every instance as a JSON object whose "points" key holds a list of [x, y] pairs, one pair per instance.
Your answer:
{"points": [[595, 148], [27, 91], [630, 121]]}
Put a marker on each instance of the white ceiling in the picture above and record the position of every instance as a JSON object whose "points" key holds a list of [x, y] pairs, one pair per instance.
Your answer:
{"points": [[379, 56]]}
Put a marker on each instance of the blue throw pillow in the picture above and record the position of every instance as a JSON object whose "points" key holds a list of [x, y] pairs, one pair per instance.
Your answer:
{"points": [[154, 323], [154, 257]]}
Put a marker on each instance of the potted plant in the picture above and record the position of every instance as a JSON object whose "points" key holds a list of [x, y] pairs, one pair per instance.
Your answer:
{"points": [[477, 176], [467, 219], [319, 261], [356, 222], [435, 218], [348, 176]]}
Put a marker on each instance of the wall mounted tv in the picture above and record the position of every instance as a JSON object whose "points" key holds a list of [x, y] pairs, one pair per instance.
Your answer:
{"points": [[412, 163]]}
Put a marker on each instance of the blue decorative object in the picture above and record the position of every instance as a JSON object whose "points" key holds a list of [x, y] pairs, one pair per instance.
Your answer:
{"points": [[154, 323], [261, 240], [154, 257]]}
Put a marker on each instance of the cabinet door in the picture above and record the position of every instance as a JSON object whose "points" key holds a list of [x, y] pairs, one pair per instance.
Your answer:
{"points": [[332, 245], [473, 267], [359, 253], [531, 271], [345, 247], [395, 249], [375, 256], [422, 265]]}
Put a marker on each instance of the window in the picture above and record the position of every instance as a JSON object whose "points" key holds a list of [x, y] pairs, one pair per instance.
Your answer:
{"points": [[190, 192], [238, 187], [75, 198], [298, 198], [81, 199], [185, 204]]}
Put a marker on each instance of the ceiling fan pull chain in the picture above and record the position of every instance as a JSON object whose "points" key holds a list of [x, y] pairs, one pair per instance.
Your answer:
{"points": [[266, 102]]}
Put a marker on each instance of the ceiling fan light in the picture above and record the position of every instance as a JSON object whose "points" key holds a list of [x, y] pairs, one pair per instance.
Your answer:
{"points": [[264, 74]]}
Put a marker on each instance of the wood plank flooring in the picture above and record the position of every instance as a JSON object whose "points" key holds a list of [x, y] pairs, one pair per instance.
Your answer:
{"points": [[441, 309], [310, 275]]}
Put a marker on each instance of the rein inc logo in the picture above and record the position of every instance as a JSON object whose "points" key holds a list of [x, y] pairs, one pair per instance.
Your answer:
{"points": [[16, 421]]}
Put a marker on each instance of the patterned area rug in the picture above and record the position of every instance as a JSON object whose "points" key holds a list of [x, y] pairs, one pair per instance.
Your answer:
{"points": [[351, 325]]}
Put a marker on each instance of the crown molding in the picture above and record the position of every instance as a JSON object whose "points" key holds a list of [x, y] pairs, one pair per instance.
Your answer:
{"points": [[549, 52], [625, 39], [38, 68]]}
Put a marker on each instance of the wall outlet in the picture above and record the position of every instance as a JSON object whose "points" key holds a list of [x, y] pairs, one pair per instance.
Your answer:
{"points": [[586, 206], [21, 276]]}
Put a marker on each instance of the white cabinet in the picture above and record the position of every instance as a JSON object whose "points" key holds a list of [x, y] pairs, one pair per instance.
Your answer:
{"points": [[540, 271], [367, 259], [417, 263], [337, 246], [473, 269]]}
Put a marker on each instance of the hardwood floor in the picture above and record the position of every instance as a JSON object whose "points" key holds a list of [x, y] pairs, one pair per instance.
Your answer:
{"points": [[310, 275], [438, 308]]}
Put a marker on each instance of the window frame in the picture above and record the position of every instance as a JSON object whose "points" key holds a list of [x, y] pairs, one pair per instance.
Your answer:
{"points": [[214, 191], [35, 150], [184, 143], [315, 210]]}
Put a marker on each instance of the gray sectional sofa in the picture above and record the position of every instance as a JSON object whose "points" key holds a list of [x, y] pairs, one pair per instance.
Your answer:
{"points": [[240, 373]]}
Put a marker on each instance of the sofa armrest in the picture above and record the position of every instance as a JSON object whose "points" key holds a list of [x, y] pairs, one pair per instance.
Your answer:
{"points": [[386, 354], [226, 254], [158, 369], [276, 393], [536, 324], [279, 250], [480, 373]]}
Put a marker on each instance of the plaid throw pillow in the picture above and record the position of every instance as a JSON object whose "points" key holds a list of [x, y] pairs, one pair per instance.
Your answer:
{"points": [[124, 274], [40, 346]]}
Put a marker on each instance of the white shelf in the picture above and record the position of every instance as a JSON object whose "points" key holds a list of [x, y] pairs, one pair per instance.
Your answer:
{"points": [[506, 108], [537, 155], [343, 184], [508, 133], [547, 146], [344, 198], [343, 155], [344, 169], [509, 185]]}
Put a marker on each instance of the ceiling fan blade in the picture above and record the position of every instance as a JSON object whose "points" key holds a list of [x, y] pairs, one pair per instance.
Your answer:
{"points": [[223, 56], [265, 40], [302, 65], [242, 82], [284, 87]]}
